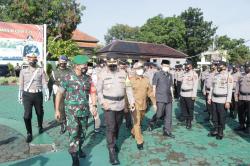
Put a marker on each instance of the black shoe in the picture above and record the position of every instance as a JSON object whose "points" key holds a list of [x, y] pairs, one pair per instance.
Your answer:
{"points": [[140, 146], [247, 130], [29, 138], [240, 128], [205, 110], [63, 129], [213, 133], [188, 124], [219, 136], [112, 157], [40, 130], [168, 134], [150, 127], [82, 154], [75, 159]]}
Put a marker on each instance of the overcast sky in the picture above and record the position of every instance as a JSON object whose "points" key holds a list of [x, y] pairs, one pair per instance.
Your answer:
{"points": [[232, 17]]}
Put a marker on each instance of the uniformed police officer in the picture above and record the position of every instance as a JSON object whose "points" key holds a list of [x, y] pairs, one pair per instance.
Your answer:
{"points": [[188, 93], [203, 74], [178, 77], [220, 96], [56, 77], [76, 87], [32, 83], [141, 90], [234, 104], [242, 94], [163, 91], [112, 86], [206, 88]]}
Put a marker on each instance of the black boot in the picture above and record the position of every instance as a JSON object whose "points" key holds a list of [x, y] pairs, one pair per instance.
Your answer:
{"points": [[82, 154], [220, 133], [75, 159], [213, 133], [150, 127], [188, 124], [29, 138], [112, 157], [140, 146], [40, 124], [29, 130], [63, 128]]}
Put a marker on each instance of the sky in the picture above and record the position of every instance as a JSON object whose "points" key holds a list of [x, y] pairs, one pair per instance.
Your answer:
{"points": [[230, 16]]}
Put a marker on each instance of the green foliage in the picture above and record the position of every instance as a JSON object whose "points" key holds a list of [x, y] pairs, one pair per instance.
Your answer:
{"points": [[121, 32], [199, 33], [61, 47], [8, 80], [61, 16], [237, 51], [11, 68], [49, 69]]}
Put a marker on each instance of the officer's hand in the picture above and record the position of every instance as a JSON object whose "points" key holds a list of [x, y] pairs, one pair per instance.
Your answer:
{"points": [[155, 108], [204, 94], [46, 98], [20, 100], [193, 98], [209, 101], [57, 115], [105, 105], [227, 105]]}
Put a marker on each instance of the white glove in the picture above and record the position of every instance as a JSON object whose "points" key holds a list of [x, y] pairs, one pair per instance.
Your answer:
{"points": [[55, 88], [46, 96], [20, 96]]}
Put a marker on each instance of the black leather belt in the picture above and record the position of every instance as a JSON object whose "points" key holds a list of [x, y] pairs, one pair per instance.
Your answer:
{"points": [[113, 98], [186, 90], [244, 94], [207, 88], [217, 95]]}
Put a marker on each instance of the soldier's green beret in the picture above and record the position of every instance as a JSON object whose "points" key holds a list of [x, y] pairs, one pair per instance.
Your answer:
{"points": [[80, 59]]}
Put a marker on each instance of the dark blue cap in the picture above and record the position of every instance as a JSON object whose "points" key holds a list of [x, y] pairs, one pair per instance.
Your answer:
{"points": [[63, 58]]}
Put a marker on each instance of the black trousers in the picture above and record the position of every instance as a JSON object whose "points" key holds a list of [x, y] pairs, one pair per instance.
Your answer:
{"points": [[202, 84], [187, 107], [244, 112], [208, 106], [163, 109], [178, 89], [234, 105], [219, 115], [113, 120], [30, 100]]}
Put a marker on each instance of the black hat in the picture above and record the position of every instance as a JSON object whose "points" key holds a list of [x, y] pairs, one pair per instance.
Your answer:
{"points": [[247, 64], [167, 62], [222, 63], [189, 62]]}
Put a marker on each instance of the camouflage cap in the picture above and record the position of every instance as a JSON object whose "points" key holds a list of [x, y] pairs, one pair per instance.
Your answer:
{"points": [[80, 59]]}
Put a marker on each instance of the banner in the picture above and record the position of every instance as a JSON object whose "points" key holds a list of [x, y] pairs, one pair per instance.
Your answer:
{"points": [[19, 40]]}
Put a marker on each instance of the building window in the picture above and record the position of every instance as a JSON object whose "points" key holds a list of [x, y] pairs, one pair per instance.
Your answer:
{"points": [[154, 60]]}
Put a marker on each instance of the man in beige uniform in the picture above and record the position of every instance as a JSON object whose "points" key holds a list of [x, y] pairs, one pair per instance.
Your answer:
{"points": [[141, 90], [112, 86], [32, 83], [188, 93], [220, 96]]}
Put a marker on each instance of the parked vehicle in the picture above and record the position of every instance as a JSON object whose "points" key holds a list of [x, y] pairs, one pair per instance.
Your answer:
{"points": [[4, 71]]}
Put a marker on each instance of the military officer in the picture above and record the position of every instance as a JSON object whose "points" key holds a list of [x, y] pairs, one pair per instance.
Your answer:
{"points": [[234, 104], [220, 96], [76, 87], [56, 77], [112, 86], [141, 90], [206, 89], [163, 91], [242, 94], [32, 83], [188, 93]]}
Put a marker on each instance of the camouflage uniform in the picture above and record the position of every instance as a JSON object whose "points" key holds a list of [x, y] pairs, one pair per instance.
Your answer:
{"points": [[76, 108]]}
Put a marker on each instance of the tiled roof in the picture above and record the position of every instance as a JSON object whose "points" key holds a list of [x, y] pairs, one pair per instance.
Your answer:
{"points": [[81, 36], [131, 48]]}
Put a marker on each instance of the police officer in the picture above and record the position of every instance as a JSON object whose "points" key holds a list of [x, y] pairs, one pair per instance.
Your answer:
{"points": [[204, 72], [32, 83], [141, 90], [206, 88], [220, 96], [234, 104], [163, 91], [56, 77], [188, 93], [76, 87], [242, 94], [112, 86], [178, 76]]}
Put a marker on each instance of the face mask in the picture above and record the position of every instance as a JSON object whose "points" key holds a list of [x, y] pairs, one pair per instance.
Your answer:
{"points": [[165, 69], [112, 68], [84, 70], [63, 65], [220, 68], [139, 72], [187, 68], [32, 63]]}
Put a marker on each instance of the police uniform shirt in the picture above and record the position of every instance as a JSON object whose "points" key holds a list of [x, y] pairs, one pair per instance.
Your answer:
{"points": [[189, 84], [163, 82], [243, 87], [38, 83], [179, 75], [208, 82], [236, 76], [204, 74], [221, 89], [114, 85]]}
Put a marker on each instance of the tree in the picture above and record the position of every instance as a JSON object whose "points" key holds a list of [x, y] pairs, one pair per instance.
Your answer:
{"points": [[169, 31], [121, 32], [199, 33], [62, 47], [61, 16], [237, 51]]}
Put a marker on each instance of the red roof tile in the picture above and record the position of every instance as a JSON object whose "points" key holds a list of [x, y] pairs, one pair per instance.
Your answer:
{"points": [[81, 36]]}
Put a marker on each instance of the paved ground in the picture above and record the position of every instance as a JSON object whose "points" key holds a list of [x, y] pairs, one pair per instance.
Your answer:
{"points": [[49, 149]]}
